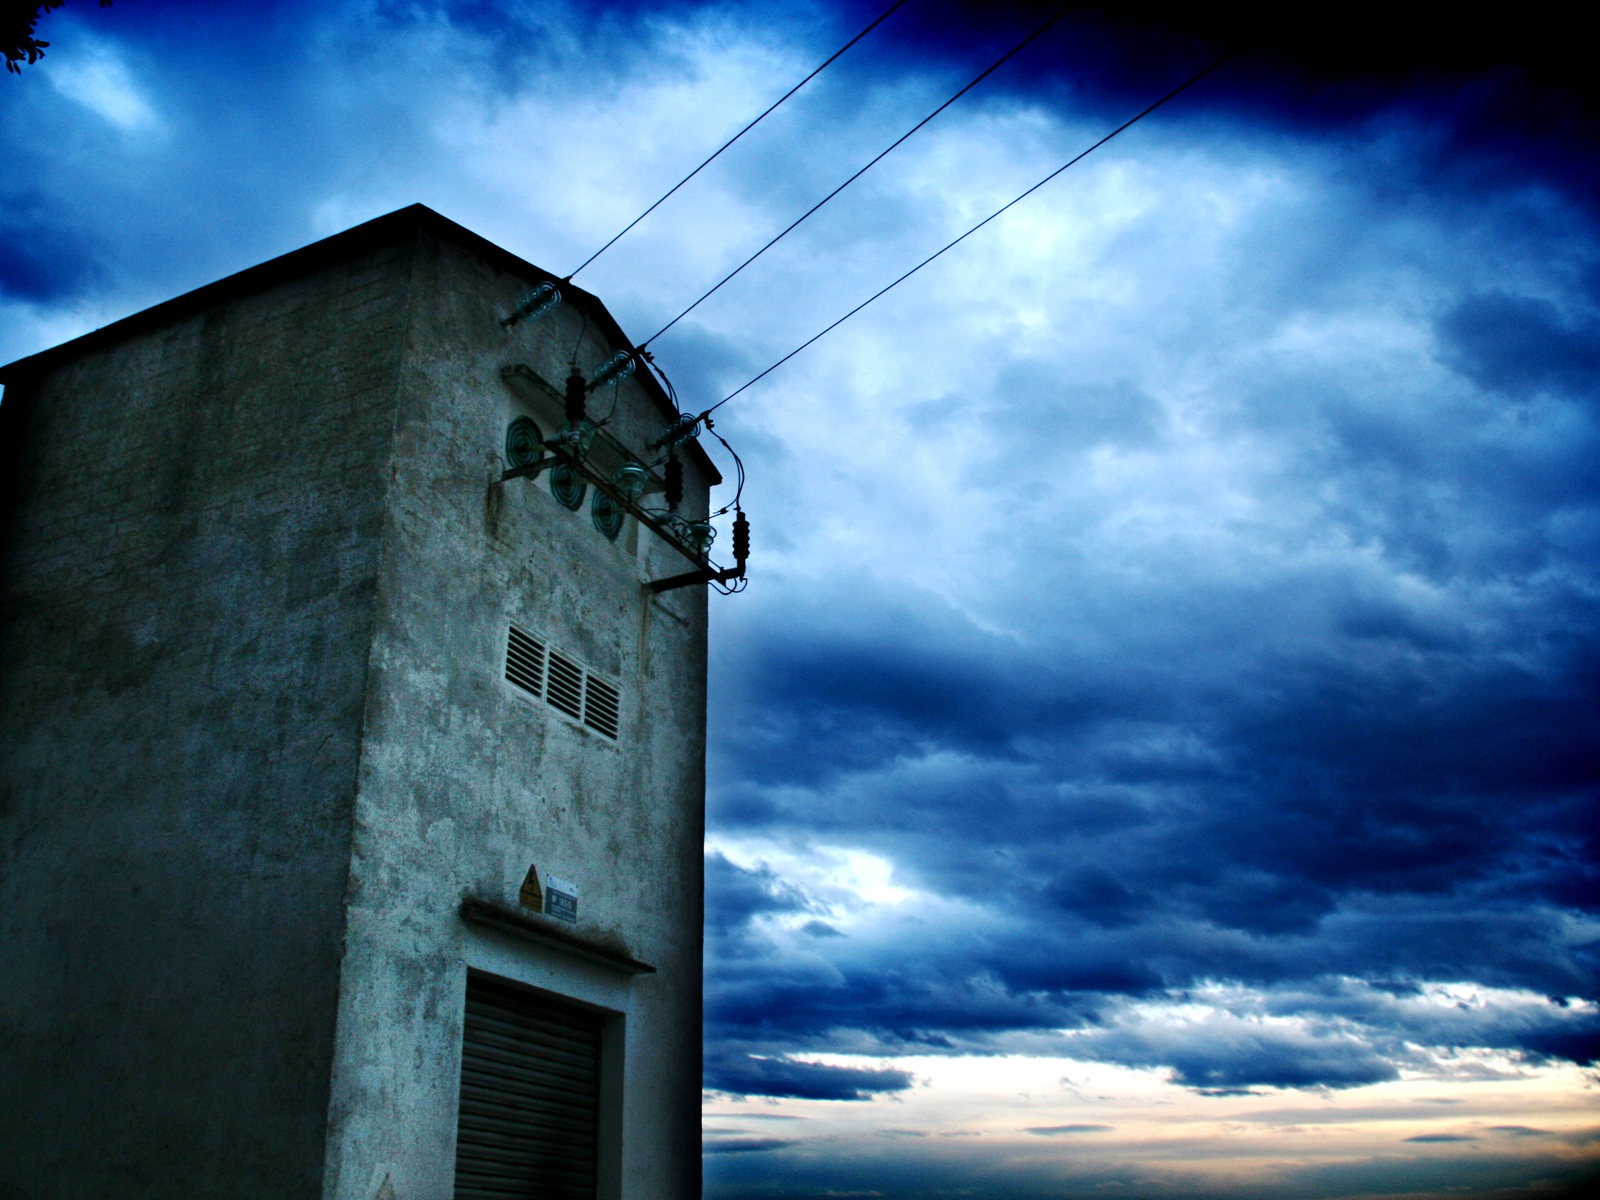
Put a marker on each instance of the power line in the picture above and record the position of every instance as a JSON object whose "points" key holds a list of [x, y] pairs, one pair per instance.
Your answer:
{"points": [[1188, 83], [990, 70], [881, 18]]}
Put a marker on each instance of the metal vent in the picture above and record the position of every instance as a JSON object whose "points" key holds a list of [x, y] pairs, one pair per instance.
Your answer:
{"points": [[566, 686], [547, 674], [600, 706], [524, 662], [530, 1076]]}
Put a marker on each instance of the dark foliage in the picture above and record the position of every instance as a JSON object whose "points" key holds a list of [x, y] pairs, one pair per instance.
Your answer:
{"points": [[18, 20]]}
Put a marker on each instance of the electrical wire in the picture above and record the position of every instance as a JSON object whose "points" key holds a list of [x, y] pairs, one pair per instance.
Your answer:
{"points": [[672, 392], [616, 395], [583, 331], [732, 587], [1188, 83], [738, 464], [880, 20], [990, 70]]}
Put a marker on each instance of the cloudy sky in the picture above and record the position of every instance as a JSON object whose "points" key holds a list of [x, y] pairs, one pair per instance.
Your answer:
{"points": [[1157, 754]]}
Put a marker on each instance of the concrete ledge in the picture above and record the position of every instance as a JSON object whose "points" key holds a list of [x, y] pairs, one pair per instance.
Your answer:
{"points": [[524, 925]]}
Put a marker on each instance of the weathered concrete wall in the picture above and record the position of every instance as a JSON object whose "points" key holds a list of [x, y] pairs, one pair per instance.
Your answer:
{"points": [[190, 555], [256, 745], [463, 784]]}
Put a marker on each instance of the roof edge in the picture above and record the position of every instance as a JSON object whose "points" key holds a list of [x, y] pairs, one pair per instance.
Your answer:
{"points": [[391, 228]]}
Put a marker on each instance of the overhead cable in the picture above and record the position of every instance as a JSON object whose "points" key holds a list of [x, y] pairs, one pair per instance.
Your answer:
{"points": [[881, 18], [990, 70], [1188, 83]]}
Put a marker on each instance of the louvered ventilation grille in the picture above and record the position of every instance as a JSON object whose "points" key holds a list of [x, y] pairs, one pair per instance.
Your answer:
{"points": [[562, 682], [566, 686], [600, 707], [525, 662]]}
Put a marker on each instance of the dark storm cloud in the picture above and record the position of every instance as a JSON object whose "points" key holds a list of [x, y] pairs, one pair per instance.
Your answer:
{"points": [[1255, 868], [946, 990], [1134, 40], [931, 994], [1520, 345], [734, 896], [1371, 771], [1058, 1130], [748, 1075], [142, 180], [912, 679], [965, 991], [1579, 1045], [43, 254], [1407, 812], [1508, 88], [1234, 1055], [738, 1145]]}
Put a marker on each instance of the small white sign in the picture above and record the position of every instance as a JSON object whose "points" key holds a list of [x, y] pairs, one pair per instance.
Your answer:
{"points": [[560, 898]]}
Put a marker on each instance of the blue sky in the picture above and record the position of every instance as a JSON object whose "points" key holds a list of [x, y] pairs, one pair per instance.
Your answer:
{"points": [[1157, 753]]}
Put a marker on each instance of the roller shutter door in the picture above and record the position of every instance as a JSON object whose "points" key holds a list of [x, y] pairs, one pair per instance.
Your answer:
{"points": [[529, 1096]]}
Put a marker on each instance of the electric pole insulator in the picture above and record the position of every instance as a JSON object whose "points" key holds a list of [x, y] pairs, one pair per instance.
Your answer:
{"points": [[577, 389], [674, 482]]}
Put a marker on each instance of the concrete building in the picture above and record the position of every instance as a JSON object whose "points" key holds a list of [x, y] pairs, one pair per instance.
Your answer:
{"points": [[351, 794]]}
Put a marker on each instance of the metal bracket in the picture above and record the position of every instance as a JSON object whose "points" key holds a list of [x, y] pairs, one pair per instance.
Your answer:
{"points": [[533, 468], [690, 578], [560, 454]]}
